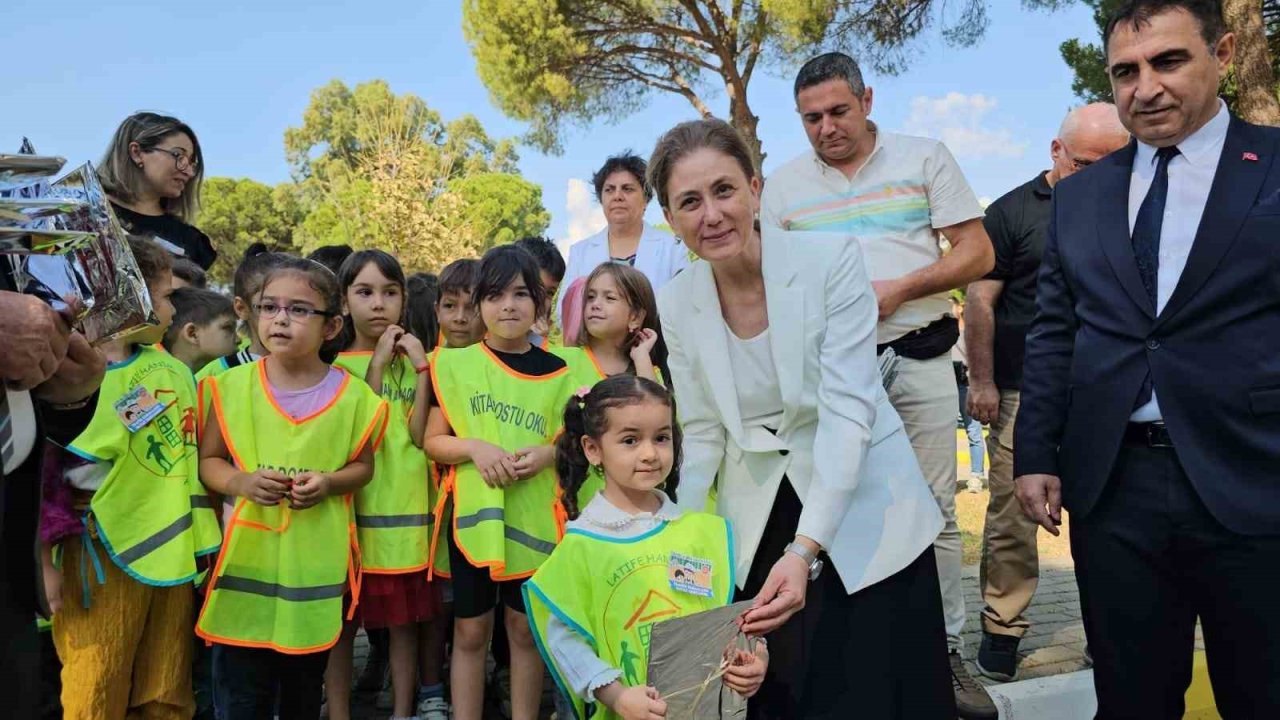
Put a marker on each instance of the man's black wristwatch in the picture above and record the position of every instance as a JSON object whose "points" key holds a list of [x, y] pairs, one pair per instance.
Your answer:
{"points": [[811, 558]]}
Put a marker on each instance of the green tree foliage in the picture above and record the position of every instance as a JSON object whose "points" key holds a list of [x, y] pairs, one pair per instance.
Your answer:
{"points": [[571, 62], [1088, 61], [238, 213], [375, 169], [502, 207]]}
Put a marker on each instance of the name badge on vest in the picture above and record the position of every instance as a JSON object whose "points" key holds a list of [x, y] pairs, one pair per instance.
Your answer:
{"points": [[689, 575], [137, 408]]}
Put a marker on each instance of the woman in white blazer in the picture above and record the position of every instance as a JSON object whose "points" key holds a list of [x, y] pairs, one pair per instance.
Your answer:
{"points": [[623, 194], [773, 360]]}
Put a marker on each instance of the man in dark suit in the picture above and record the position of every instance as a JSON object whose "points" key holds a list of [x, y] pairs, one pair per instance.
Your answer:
{"points": [[1151, 390]]}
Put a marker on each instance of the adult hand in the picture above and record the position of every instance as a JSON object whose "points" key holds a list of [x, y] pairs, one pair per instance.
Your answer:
{"points": [[77, 377], [984, 402], [781, 597], [35, 340], [1041, 499], [888, 297]]}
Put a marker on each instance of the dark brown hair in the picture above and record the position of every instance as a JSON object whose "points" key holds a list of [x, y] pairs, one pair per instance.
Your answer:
{"points": [[689, 137], [153, 261], [589, 416], [638, 293]]}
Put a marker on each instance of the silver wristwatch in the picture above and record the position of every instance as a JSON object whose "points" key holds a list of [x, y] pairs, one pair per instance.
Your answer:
{"points": [[810, 558]]}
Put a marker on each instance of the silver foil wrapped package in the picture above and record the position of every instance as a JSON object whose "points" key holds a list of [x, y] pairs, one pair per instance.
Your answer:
{"points": [[687, 661], [98, 277]]}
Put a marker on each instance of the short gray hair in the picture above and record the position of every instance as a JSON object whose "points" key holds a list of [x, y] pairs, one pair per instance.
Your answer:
{"points": [[830, 66]]}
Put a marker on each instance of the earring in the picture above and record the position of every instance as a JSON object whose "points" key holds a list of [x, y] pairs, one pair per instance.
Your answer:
{"points": [[595, 470]]}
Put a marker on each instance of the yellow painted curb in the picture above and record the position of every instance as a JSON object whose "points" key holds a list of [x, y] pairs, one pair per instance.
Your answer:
{"points": [[1200, 705]]}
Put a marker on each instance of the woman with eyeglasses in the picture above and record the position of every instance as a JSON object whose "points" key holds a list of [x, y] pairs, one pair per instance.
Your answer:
{"points": [[152, 173]]}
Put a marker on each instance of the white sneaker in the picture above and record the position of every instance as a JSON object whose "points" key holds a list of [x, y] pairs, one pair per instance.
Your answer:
{"points": [[434, 708]]}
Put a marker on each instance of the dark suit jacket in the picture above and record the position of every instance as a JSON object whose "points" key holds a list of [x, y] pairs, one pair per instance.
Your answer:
{"points": [[1213, 353]]}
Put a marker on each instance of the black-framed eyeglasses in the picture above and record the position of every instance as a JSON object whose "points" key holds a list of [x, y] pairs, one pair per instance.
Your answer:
{"points": [[296, 312], [181, 160]]}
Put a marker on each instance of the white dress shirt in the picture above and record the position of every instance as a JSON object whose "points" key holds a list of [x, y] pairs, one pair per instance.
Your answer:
{"points": [[1191, 174]]}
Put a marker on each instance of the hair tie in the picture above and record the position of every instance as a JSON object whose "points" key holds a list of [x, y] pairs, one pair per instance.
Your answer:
{"points": [[582, 394]]}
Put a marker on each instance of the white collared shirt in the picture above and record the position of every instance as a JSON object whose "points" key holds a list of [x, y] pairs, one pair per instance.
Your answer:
{"points": [[1191, 174]]}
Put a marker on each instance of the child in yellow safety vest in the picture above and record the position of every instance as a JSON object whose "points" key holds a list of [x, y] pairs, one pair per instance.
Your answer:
{"points": [[496, 410], [122, 626], [632, 545], [393, 519], [293, 439], [620, 331]]}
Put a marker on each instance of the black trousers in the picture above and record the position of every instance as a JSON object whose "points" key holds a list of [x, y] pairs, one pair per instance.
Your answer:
{"points": [[257, 684], [1150, 559], [879, 653]]}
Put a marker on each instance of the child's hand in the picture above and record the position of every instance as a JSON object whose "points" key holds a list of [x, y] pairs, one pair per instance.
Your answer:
{"points": [[496, 466], [639, 703], [532, 460], [413, 349], [263, 486], [642, 346], [52, 587], [746, 670], [309, 488], [386, 346]]}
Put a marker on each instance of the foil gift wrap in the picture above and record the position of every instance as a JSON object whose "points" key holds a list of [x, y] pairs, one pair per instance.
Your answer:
{"points": [[98, 277], [20, 210], [27, 169]]}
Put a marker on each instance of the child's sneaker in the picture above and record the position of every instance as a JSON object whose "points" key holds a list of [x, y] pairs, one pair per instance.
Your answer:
{"points": [[434, 708]]}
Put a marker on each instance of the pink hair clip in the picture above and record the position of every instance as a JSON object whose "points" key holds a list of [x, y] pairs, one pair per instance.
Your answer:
{"points": [[582, 392]]}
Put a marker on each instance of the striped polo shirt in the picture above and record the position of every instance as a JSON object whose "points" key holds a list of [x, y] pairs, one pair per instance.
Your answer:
{"points": [[908, 189]]}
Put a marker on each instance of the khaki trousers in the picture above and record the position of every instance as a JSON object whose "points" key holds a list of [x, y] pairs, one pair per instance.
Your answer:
{"points": [[1010, 566], [129, 654], [925, 396]]}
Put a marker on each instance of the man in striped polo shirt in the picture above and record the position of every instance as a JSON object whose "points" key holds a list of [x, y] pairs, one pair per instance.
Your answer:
{"points": [[896, 194]]}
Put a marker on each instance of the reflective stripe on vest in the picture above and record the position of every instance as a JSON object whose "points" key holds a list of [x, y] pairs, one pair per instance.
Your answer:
{"points": [[280, 579], [151, 513], [611, 591], [511, 531], [393, 518]]}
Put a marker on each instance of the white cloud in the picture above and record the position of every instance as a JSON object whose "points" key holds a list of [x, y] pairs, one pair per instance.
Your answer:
{"points": [[958, 120], [586, 218]]}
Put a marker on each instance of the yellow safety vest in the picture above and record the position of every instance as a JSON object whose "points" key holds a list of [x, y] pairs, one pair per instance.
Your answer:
{"points": [[152, 514], [282, 573], [393, 512], [509, 531], [611, 591]]}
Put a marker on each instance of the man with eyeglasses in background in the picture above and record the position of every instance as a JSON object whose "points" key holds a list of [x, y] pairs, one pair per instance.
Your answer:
{"points": [[999, 309]]}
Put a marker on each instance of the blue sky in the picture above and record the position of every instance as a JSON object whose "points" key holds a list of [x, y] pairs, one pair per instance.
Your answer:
{"points": [[241, 71]]}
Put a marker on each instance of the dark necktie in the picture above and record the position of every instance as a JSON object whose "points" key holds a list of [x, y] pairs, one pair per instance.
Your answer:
{"points": [[1146, 241]]}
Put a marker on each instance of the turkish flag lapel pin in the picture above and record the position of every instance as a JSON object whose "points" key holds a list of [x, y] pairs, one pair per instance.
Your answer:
{"points": [[1250, 156]]}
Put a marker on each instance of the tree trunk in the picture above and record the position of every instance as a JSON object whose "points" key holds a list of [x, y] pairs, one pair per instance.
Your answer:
{"points": [[1256, 100], [746, 122]]}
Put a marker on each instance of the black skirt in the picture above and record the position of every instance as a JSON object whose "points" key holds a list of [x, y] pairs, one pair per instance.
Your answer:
{"points": [[880, 653]]}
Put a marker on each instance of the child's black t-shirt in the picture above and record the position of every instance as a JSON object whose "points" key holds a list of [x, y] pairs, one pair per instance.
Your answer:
{"points": [[535, 361]]}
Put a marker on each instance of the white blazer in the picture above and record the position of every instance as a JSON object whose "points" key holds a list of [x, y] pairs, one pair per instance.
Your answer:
{"points": [[659, 256], [848, 457]]}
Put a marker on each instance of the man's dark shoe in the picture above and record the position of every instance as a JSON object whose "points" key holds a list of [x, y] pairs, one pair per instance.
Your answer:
{"points": [[972, 700], [998, 657]]}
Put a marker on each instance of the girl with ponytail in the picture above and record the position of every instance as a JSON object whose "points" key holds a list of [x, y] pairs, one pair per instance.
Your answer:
{"points": [[629, 543]]}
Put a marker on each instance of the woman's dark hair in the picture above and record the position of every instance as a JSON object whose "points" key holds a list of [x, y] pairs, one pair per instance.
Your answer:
{"points": [[322, 280], [420, 309], [689, 137], [638, 293], [123, 180], [386, 264], [627, 161], [502, 265], [589, 416], [257, 263]]}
